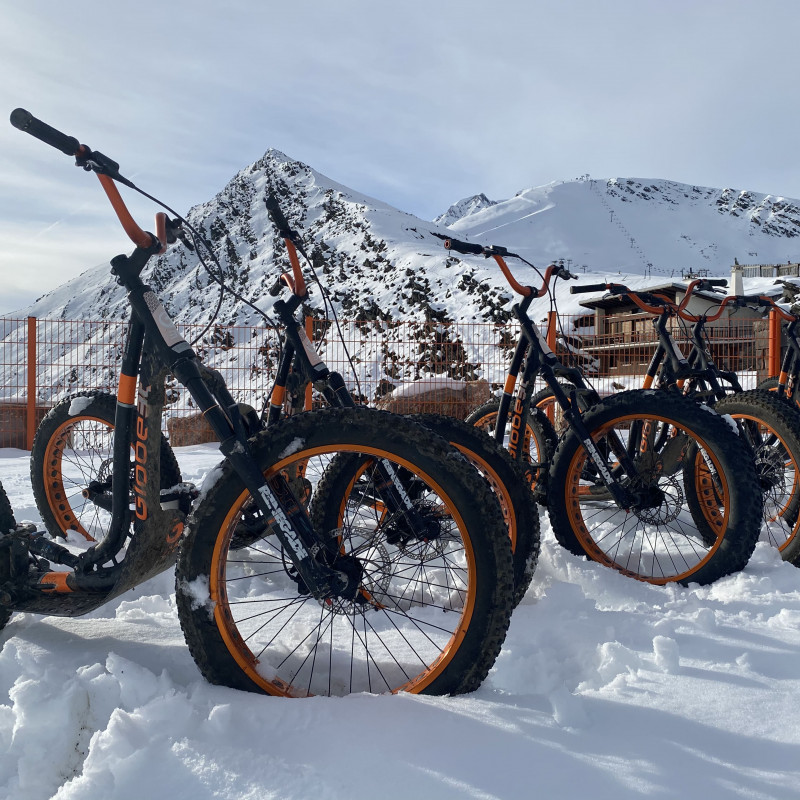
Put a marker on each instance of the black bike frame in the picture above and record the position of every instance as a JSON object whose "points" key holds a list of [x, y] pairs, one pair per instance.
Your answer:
{"points": [[669, 368], [154, 348], [533, 358], [300, 357], [790, 365]]}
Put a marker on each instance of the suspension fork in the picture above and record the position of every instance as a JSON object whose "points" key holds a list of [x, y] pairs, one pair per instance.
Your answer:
{"points": [[658, 364], [284, 514], [125, 425], [278, 395], [125, 422], [519, 395], [570, 406], [531, 351], [787, 380], [533, 356]]}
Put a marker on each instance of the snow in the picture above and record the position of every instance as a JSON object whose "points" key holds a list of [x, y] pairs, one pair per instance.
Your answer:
{"points": [[79, 405], [385, 266], [605, 688], [431, 383], [380, 257]]}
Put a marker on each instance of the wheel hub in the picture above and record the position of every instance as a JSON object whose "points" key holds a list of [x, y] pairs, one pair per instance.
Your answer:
{"points": [[771, 469], [661, 504]]}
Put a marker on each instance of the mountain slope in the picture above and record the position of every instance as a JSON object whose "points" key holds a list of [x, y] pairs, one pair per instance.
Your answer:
{"points": [[463, 208], [378, 262], [633, 225], [381, 264]]}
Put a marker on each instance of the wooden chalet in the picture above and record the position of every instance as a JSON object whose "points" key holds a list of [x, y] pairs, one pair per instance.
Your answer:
{"points": [[625, 338]]}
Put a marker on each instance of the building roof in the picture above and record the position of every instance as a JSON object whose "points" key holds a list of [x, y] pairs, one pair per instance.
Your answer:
{"points": [[671, 290]]}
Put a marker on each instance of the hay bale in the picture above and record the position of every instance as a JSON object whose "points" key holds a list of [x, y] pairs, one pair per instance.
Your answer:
{"points": [[436, 395], [14, 423], [188, 430]]}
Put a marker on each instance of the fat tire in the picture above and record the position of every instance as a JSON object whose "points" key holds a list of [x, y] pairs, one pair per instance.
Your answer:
{"points": [[736, 541], [781, 419], [506, 480], [771, 385], [58, 513], [509, 484], [208, 623], [543, 440], [7, 520], [545, 396], [7, 523]]}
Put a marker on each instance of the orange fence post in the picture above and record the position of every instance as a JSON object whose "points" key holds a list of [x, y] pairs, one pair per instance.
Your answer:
{"points": [[774, 352], [309, 388], [31, 391]]}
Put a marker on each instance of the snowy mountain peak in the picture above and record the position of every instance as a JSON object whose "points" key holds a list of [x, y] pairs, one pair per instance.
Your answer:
{"points": [[463, 208], [643, 226], [376, 261], [380, 263]]}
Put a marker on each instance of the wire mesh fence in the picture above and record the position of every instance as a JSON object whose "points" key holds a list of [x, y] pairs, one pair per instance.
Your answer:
{"points": [[402, 365]]}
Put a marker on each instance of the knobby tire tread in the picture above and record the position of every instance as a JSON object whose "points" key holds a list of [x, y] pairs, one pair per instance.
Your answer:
{"points": [[545, 441], [103, 407], [7, 523], [735, 456], [781, 417], [514, 490], [494, 584]]}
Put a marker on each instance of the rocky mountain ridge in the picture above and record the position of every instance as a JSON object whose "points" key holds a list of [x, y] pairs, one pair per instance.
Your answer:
{"points": [[381, 263], [653, 227], [375, 261], [389, 278]]}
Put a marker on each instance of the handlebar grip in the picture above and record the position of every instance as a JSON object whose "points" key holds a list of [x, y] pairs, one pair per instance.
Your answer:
{"points": [[588, 287], [756, 300], [278, 220], [716, 281], [25, 121], [464, 247]]}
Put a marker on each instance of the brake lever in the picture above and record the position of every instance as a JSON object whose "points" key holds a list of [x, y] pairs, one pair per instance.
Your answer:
{"points": [[95, 161], [176, 233], [565, 274]]}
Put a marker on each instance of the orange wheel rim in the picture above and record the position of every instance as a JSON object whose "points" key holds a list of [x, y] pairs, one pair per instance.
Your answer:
{"points": [[240, 650], [488, 423], [791, 499], [575, 494], [53, 477]]}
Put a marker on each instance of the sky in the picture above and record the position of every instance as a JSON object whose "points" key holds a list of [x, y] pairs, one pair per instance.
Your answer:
{"points": [[417, 104]]}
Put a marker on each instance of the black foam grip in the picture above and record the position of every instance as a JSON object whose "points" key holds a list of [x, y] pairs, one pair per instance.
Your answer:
{"points": [[25, 121], [755, 299], [588, 287], [276, 215], [463, 247]]}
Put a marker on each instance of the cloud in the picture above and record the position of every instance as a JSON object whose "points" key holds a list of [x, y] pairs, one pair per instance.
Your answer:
{"points": [[418, 105], [34, 260]]}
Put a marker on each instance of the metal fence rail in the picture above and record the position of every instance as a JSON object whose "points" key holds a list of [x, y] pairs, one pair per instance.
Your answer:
{"points": [[45, 360]]}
